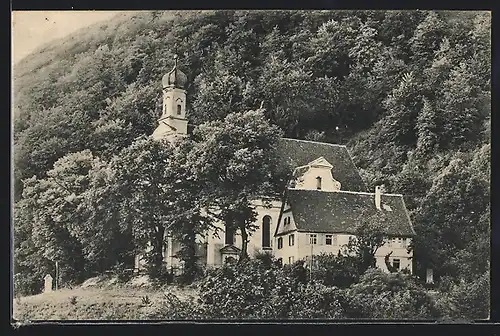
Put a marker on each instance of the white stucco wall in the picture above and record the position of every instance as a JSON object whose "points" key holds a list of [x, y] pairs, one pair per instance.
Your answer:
{"points": [[303, 249], [321, 247], [308, 181], [286, 226], [399, 251], [255, 238], [171, 98], [287, 251]]}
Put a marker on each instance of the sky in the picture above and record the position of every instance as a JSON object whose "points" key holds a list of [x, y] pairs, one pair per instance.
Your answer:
{"points": [[30, 29]]}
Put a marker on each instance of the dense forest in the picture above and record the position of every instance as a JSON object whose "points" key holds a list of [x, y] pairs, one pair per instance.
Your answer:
{"points": [[407, 91]]}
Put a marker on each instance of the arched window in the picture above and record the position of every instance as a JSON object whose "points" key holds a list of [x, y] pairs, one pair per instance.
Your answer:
{"points": [[318, 183], [229, 235], [179, 109], [266, 231]]}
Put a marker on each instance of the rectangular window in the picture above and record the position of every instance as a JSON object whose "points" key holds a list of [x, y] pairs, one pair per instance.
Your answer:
{"points": [[396, 264], [318, 183], [291, 240], [404, 242], [313, 239], [290, 260], [280, 243], [328, 239]]}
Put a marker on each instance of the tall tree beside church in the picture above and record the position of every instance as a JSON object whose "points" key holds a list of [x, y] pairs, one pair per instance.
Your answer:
{"points": [[234, 157], [157, 195], [143, 176], [190, 221], [52, 216]]}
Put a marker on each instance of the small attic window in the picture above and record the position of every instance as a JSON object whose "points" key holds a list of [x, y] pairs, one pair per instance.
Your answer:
{"points": [[179, 109], [318, 183], [386, 207]]}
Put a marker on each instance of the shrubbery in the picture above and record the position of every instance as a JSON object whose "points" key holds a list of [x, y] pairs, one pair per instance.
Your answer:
{"points": [[26, 284], [260, 288], [315, 300], [381, 295], [240, 290], [336, 270], [465, 300], [473, 297], [255, 289]]}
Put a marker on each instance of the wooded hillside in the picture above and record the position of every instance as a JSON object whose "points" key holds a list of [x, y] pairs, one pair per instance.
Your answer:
{"points": [[407, 91]]}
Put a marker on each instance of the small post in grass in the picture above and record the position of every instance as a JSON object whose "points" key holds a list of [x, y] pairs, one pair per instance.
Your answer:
{"points": [[57, 274]]}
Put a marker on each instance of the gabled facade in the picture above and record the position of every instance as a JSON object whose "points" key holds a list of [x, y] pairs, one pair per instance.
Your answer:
{"points": [[322, 205], [316, 221]]}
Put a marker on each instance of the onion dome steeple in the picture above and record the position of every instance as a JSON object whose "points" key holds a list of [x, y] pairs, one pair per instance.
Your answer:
{"points": [[173, 122], [175, 78]]}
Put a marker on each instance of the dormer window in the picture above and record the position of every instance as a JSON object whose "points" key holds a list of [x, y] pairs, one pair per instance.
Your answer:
{"points": [[318, 183], [179, 109]]}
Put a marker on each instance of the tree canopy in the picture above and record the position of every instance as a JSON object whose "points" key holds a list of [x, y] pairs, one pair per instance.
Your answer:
{"points": [[407, 91]]}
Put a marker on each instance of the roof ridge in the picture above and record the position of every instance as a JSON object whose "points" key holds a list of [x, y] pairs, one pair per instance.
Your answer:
{"points": [[344, 191], [316, 142]]}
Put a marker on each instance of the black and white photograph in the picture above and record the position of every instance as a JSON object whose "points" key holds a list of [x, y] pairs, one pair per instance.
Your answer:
{"points": [[251, 165]]}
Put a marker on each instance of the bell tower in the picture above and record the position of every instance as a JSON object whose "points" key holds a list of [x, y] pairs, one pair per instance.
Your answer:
{"points": [[173, 122]]}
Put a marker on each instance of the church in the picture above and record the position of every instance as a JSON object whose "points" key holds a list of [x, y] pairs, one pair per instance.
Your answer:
{"points": [[318, 212]]}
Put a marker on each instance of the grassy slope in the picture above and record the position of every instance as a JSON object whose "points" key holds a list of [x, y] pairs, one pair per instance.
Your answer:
{"points": [[92, 303]]}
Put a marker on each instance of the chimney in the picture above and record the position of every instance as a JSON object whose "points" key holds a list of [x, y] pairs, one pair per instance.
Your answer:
{"points": [[377, 197]]}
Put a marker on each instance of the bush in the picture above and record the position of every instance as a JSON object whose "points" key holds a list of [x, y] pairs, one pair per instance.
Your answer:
{"points": [[260, 289], [315, 300], [159, 275], [187, 277], [121, 272], [266, 258], [380, 295], [73, 300], [297, 271], [145, 300], [473, 298], [172, 308], [463, 300], [238, 290], [336, 270], [27, 284]]}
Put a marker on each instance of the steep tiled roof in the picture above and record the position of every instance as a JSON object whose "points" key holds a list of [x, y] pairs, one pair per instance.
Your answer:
{"points": [[340, 212], [301, 152]]}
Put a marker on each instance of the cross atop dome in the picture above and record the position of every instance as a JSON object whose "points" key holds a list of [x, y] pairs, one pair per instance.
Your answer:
{"points": [[175, 78], [173, 122]]}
